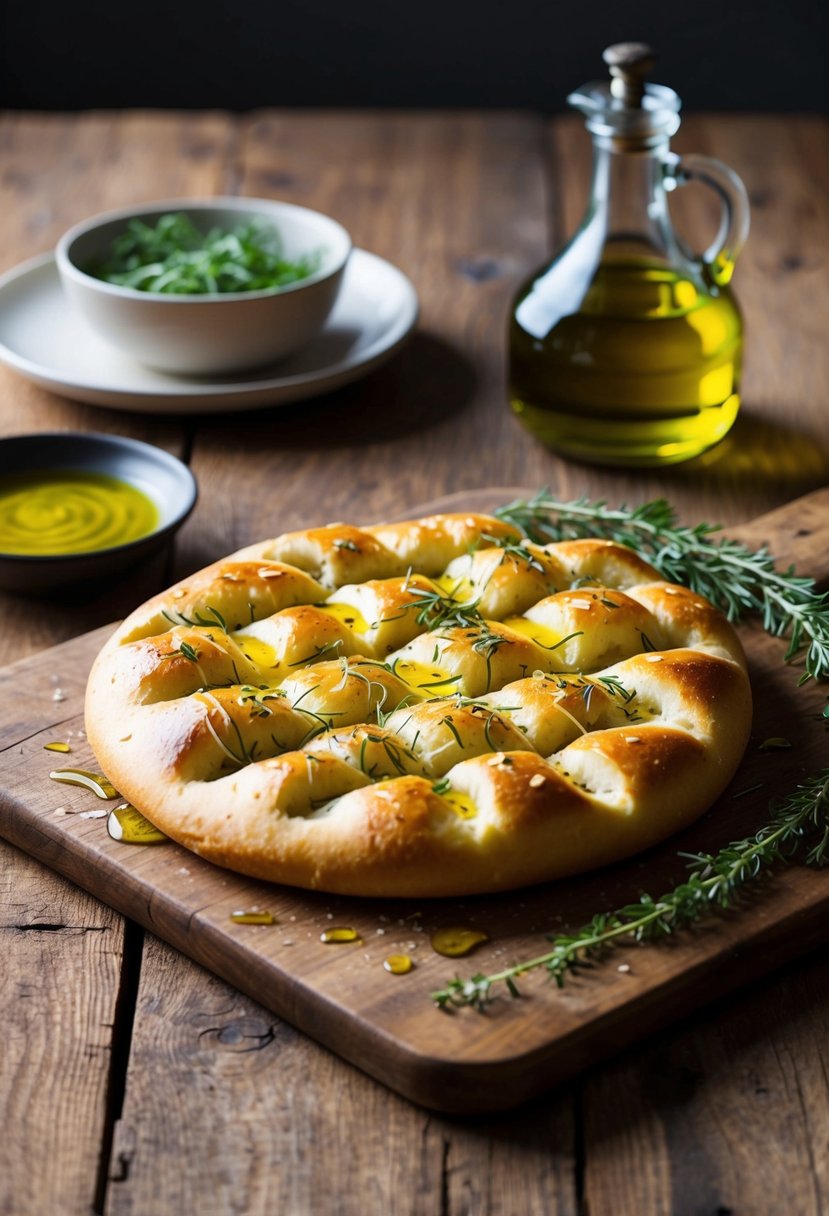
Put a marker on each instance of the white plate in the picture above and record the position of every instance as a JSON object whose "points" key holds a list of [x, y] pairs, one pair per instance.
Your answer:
{"points": [[42, 338]]}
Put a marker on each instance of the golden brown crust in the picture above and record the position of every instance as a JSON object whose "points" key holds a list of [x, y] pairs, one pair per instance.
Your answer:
{"points": [[289, 713]]}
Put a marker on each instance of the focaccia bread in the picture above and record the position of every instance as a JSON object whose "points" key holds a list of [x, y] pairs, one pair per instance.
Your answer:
{"points": [[429, 708]]}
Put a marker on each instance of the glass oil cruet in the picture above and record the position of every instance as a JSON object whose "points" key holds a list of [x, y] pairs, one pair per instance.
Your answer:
{"points": [[626, 349]]}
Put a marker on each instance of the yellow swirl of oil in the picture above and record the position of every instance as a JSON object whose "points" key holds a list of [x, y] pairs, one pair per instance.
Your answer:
{"points": [[46, 514]]}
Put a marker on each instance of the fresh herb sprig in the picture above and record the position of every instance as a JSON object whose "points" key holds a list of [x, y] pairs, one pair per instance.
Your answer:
{"points": [[443, 612], [714, 884], [175, 258], [737, 579], [209, 619]]}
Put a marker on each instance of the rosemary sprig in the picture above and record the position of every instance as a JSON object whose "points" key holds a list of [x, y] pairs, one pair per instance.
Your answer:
{"points": [[321, 650], [436, 610], [737, 579], [517, 550], [714, 884], [240, 755], [200, 620], [486, 643]]}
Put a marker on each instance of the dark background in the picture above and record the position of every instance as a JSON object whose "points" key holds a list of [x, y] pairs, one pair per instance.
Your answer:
{"points": [[718, 54]]}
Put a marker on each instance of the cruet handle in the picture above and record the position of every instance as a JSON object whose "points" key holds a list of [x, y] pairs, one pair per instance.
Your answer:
{"points": [[719, 258]]}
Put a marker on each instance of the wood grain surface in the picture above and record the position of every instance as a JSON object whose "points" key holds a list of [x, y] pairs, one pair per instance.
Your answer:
{"points": [[725, 1113]]}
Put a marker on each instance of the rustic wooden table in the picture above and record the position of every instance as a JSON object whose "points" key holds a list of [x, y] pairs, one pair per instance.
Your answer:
{"points": [[133, 1081]]}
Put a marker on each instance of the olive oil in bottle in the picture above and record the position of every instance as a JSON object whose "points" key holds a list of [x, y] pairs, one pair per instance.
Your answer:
{"points": [[646, 372], [626, 349]]}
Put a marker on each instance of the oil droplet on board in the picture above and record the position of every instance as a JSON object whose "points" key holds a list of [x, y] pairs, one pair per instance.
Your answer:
{"points": [[95, 782], [63, 748], [456, 941], [338, 935], [128, 826], [254, 916], [398, 964]]}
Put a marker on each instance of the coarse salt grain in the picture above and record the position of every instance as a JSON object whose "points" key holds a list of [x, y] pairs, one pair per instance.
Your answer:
{"points": [[631, 739], [624, 968], [496, 759], [537, 780], [58, 695], [653, 658], [581, 604]]}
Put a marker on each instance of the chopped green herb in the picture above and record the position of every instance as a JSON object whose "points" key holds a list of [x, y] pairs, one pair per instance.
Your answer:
{"points": [[176, 258]]}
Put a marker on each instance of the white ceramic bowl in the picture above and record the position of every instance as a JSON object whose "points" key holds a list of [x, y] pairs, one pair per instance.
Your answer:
{"points": [[213, 333]]}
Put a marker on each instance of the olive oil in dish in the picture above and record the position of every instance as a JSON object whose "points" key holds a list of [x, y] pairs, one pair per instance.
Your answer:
{"points": [[52, 513]]}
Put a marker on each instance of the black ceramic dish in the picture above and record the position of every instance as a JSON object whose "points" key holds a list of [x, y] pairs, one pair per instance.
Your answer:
{"points": [[168, 482]]}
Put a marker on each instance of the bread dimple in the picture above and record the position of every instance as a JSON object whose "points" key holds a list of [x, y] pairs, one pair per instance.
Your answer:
{"points": [[687, 619], [504, 582], [343, 692], [336, 554], [428, 545], [445, 732], [429, 708], [173, 665], [387, 610], [375, 751], [205, 735], [551, 710], [238, 592], [601, 625], [628, 765], [297, 637], [470, 660], [603, 562]]}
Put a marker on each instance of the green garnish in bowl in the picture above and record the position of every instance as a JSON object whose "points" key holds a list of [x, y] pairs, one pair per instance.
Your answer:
{"points": [[176, 258]]}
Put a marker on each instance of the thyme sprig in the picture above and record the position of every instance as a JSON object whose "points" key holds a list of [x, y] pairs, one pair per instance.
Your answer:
{"points": [[800, 825], [737, 579]]}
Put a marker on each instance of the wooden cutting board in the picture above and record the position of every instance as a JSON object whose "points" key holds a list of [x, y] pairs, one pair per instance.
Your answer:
{"points": [[341, 995]]}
